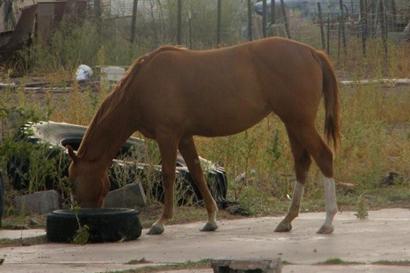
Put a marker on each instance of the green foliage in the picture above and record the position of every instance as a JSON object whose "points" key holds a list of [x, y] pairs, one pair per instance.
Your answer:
{"points": [[362, 207], [82, 235], [338, 261], [34, 167]]}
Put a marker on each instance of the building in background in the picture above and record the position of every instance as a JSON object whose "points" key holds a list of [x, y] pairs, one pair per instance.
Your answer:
{"points": [[22, 20]]}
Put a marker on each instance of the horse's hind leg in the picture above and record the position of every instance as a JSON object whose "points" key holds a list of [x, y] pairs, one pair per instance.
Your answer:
{"points": [[323, 156], [302, 163], [188, 151]]}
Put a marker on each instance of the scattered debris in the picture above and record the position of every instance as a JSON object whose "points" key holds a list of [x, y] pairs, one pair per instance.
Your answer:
{"points": [[38, 203], [234, 208], [238, 210], [407, 32], [129, 196], [385, 82], [246, 177], [83, 73], [391, 178], [345, 187], [112, 73], [15, 39], [140, 261]]}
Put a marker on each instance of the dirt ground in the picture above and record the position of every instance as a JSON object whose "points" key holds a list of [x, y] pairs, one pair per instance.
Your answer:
{"points": [[383, 238]]}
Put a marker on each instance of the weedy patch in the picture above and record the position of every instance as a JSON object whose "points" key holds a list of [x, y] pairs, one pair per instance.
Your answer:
{"points": [[162, 268], [82, 235], [362, 207], [139, 261], [23, 241], [398, 263], [337, 261]]}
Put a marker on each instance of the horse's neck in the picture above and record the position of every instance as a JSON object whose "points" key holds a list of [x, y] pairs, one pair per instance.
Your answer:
{"points": [[108, 131]]}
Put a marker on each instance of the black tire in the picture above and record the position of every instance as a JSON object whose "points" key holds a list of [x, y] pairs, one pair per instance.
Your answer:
{"points": [[105, 225], [57, 135]]}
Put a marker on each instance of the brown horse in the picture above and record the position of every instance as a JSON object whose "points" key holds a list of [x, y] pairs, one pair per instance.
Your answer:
{"points": [[173, 94]]}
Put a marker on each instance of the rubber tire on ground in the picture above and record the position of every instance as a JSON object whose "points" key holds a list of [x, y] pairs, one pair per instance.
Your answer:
{"points": [[105, 225]]}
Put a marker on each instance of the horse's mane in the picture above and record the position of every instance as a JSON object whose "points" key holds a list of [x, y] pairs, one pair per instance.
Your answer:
{"points": [[114, 99]]}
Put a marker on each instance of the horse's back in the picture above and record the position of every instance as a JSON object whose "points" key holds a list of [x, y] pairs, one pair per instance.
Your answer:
{"points": [[238, 85]]}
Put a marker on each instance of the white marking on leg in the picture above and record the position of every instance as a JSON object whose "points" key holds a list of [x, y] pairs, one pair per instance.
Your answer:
{"points": [[212, 217], [298, 191], [293, 212], [330, 199]]}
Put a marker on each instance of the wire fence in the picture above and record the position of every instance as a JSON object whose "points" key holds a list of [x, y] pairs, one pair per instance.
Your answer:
{"points": [[118, 31], [204, 23]]}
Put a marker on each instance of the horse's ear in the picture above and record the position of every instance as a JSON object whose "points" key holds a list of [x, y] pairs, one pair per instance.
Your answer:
{"points": [[71, 154]]}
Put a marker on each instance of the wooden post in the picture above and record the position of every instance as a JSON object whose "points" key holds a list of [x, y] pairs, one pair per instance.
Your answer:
{"points": [[264, 9], [282, 4], [328, 35], [375, 11], [394, 15], [218, 24], [97, 8], [98, 13], [250, 38], [339, 40], [342, 26], [322, 32], [134, 21], [384, 35], [272, 12], [179, 22], [190, 28], [363, 23]]}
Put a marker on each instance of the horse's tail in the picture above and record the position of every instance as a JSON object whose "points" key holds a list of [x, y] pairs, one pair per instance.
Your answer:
{"points": [[331, 96]]}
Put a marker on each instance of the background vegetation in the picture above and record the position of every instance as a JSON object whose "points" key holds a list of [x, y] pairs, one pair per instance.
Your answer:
{"points": [[375, 118]]}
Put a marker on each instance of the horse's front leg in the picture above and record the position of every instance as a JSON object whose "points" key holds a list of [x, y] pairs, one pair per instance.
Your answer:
{"points": [[188, 151], [168, 150]]}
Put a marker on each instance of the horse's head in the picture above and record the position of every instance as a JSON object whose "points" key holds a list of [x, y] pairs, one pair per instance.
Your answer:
{"points": [[90, 181]]}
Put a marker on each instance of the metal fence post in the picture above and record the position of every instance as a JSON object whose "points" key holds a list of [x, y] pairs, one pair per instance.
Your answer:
{"points": [[134, 21], [322, 32], [218, 23], [179, 22], [285, 17], [250, 38], [264, 9]]}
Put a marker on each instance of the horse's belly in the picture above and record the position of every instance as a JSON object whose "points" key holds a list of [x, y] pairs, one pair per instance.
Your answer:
{"points": [[228, 124]]}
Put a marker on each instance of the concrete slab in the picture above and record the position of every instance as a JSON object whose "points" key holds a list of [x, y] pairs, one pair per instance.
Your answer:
{"points": [[21, 234], [384, 236]]}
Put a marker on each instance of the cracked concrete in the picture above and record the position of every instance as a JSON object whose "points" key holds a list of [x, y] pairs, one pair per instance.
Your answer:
{"points": [[384, 236]]}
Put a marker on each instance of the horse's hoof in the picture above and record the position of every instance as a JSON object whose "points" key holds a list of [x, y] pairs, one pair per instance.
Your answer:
{"points": [[209, 227], [326, 229], [283, 227], [156, 229]]}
